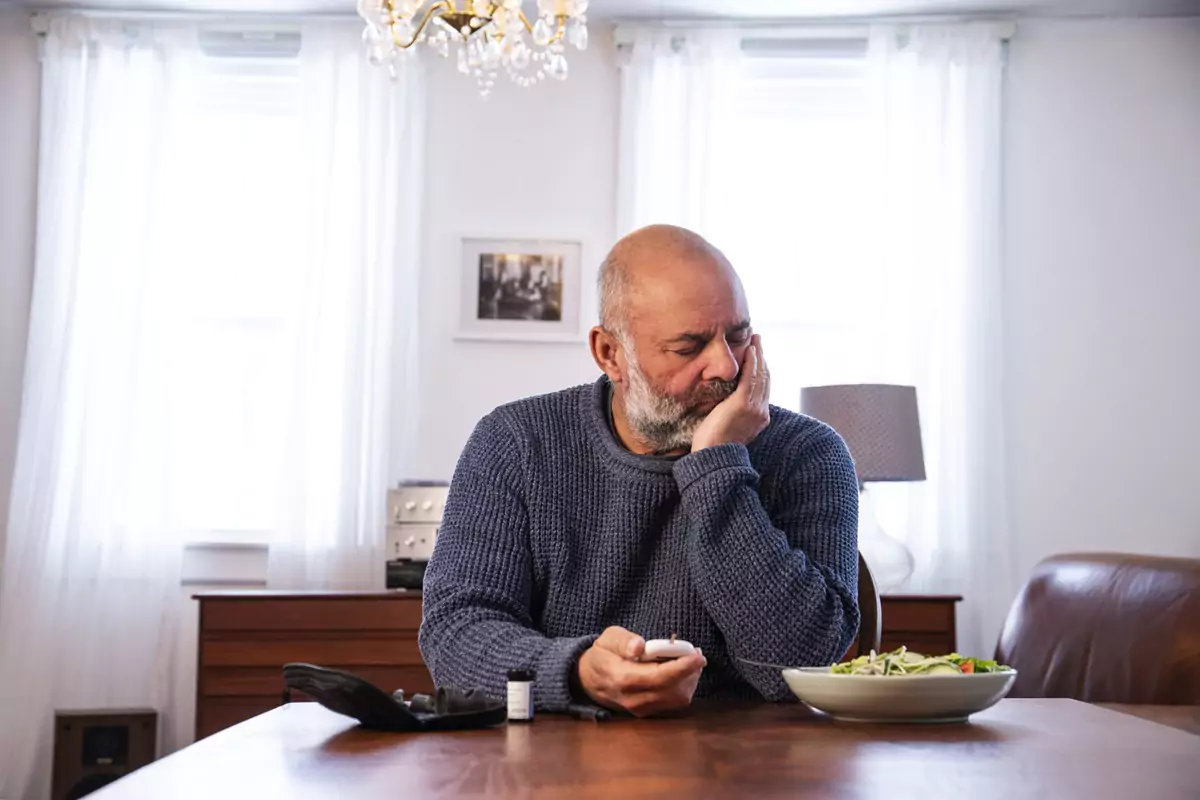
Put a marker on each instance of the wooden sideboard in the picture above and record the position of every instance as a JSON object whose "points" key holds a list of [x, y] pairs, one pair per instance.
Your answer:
{"points": [[921, 622], [247, 636]]}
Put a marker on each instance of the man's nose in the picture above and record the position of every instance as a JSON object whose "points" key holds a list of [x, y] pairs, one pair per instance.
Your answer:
{"points": [[722, 363]]}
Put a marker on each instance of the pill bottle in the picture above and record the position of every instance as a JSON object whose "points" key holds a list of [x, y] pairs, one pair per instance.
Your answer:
{"points": [[520, 695]]}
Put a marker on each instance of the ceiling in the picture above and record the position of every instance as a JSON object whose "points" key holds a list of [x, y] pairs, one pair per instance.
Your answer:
{"points": [[700, 9]]}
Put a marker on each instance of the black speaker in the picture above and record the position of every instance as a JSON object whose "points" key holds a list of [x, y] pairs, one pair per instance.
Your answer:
{"points": [[94, 748]]}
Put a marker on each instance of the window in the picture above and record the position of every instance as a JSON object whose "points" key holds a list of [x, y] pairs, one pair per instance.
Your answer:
{"points": [[214, 343], [793, 214], [236, 200], [857, 193]]}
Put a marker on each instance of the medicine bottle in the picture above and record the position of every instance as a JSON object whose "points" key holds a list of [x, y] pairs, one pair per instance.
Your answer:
{"points": [[520, 695]]}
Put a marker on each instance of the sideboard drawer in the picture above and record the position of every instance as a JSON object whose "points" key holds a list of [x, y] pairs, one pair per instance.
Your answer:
{"points": [[247, 637], [302, 613], [268, 681], [219, 713], [339, 648]]}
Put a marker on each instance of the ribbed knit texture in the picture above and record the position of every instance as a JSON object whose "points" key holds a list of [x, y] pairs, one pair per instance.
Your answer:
{"points": [[554, 531]]}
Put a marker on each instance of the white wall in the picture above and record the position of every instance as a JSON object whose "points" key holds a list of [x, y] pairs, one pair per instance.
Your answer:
{"points": [[19, 88], [1103, 267], [537, 162], [1103, 287]]}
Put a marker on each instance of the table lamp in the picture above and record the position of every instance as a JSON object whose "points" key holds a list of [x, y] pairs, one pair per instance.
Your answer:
{"points": [[882, 429]]}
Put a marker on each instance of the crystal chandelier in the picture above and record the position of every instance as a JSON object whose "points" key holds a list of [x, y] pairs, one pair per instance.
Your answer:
{"points": [[488, 36]]}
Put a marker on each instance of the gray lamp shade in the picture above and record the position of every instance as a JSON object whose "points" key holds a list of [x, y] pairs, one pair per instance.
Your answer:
{"points": [[879, 423]]}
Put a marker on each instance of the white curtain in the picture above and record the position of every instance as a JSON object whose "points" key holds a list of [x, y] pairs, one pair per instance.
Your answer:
{"points": [[858, 196], [105, 492], [90, 597], [356, 344], [936, 109], [675, 86]]}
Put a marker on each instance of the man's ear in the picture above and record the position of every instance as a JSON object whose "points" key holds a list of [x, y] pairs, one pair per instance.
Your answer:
{"points": [[605, 348]]}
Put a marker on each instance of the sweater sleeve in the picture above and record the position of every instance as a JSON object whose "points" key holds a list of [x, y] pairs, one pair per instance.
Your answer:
{"points": [[782, 588], [477, 590]]}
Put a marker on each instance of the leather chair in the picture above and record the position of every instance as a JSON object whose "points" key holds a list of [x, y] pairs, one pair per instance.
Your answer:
{"points": [[871, 622], [1107, 628]]}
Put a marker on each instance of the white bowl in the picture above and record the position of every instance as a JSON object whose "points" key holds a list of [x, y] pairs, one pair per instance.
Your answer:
{"points": [[898, 698]]}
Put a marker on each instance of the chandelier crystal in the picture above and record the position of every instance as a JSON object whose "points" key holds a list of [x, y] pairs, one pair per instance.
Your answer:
{"points": [[489, 36]]}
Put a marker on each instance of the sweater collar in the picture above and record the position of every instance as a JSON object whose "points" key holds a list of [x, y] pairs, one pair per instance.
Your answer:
{"points": [[600, 412]]}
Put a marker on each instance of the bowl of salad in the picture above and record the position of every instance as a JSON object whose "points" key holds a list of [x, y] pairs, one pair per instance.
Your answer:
{"points": [[902, 686]]}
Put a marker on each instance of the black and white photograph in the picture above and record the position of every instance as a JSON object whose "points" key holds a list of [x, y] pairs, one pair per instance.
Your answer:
{"points": [[525, 286], [520, 290]]}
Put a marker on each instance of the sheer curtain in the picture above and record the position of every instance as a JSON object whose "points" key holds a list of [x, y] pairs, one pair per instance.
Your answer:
{"points": [[675, 87], [354, 350], [936, 109], [89, 598], [145, 293], [855, 186]]}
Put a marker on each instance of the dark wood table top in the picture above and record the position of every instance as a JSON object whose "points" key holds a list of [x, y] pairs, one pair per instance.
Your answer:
{"points": [[1057, 749], [1185, 718]]}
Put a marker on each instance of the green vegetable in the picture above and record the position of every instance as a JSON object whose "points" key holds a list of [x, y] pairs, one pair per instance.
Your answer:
{"points": [[904, 662], [943, 669]]}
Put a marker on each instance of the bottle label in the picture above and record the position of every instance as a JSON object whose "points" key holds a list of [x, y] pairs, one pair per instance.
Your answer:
{"points": [[520, 700]]}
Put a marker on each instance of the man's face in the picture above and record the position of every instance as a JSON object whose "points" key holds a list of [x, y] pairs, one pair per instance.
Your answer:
{"points": [[688, 332]]}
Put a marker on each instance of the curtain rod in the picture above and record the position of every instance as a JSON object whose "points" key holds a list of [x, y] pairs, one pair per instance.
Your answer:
{"points": [[166, 15], [857, 20], [817, 29]]}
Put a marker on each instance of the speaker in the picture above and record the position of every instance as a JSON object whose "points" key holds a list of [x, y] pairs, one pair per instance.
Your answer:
{"points": [[94, 748]]}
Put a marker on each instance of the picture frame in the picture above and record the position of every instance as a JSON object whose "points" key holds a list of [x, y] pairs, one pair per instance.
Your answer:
{"points": [[520, 290]]}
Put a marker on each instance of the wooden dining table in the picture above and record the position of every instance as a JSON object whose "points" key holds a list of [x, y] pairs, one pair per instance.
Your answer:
{"points": [[1018, 749]]}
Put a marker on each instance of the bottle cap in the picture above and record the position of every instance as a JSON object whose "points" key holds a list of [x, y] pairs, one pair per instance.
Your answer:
{"points": [[522, 675]]}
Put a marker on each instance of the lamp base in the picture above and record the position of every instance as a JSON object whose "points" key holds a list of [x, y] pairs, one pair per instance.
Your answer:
{"points": [[891, 562]]}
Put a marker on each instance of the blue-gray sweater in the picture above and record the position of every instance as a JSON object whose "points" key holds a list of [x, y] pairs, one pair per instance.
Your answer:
{"points": [[554, 531]]}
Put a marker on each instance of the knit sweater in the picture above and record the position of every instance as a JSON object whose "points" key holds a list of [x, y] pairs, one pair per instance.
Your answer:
{"points": [[553, 531]]}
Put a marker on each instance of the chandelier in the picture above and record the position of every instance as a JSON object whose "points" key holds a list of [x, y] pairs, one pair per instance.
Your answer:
{"points": [[489, 36]]}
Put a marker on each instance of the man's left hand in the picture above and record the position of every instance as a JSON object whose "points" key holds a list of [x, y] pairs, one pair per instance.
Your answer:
{"points": [[745, 413]]}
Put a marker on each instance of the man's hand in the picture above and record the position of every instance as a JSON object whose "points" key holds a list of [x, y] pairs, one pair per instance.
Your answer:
{"points": [[745, 413], [610, 673]]}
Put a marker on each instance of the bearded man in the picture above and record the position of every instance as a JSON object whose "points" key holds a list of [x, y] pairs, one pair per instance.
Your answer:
{"points": [[667, 498]]}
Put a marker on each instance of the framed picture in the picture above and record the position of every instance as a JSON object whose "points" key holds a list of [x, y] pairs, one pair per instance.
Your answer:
{"points": [[521, 290]]}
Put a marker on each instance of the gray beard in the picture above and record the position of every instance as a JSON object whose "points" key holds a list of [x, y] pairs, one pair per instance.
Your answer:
{"points": [[663, 423]]}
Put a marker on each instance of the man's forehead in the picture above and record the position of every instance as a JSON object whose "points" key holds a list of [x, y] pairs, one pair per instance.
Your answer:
{"points": [[682, 323]]}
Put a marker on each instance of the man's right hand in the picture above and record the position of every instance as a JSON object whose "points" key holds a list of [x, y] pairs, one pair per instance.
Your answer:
{"points": [[610, 673]]}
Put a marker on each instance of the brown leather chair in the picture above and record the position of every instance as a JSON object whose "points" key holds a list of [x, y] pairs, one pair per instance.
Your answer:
{"points": [[1107, 628], [871, 623]]}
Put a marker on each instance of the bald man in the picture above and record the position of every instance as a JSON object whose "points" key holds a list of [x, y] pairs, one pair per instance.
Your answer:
{"points": [[666, 498]]}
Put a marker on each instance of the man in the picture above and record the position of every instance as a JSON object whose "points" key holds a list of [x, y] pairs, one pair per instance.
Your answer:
{"points": [[667, 498]]}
